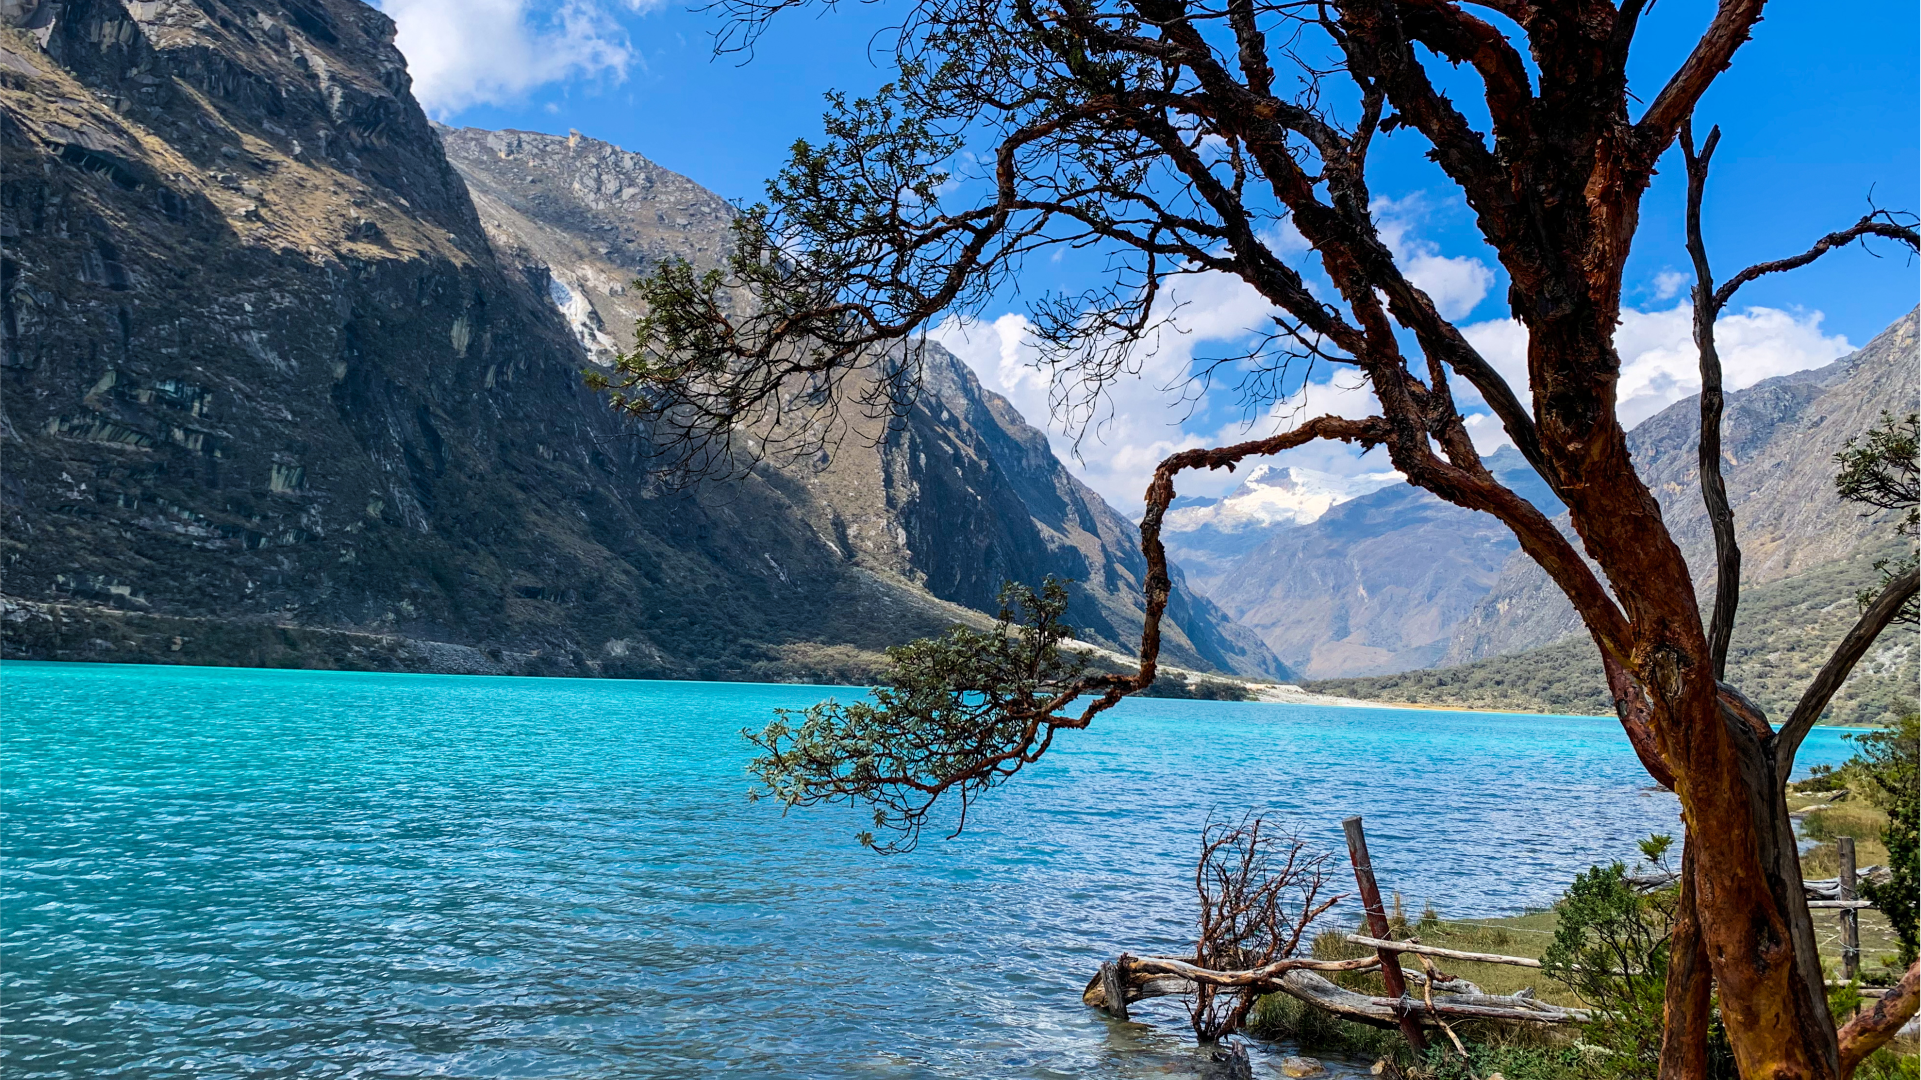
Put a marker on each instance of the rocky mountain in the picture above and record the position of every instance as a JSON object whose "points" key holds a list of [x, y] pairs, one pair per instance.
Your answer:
{"points": [[1351, 584], [1377, 583], [1806, 555], [1209, 536], [1780, 439], [282, 386], [1785, 631], [966, 497]]}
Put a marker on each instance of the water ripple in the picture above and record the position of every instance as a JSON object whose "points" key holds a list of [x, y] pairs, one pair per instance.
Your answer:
{"points": [[223, 873]]}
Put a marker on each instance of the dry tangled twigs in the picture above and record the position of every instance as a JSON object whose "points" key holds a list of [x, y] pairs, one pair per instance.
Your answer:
{"points": [[1259, 891]]}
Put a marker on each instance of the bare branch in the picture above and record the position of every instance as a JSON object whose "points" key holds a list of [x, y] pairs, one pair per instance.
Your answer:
{"points": [[1878, 223], [1710, 57], [1259, 892], [1714, 488], [1378, 48]]}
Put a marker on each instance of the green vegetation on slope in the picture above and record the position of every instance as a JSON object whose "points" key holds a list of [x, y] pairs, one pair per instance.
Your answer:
{"points": [[1784, 634]]}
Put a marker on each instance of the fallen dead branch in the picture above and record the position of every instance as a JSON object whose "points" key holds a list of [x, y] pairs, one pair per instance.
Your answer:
{"points": [[1159, 976], [1449, 954]]}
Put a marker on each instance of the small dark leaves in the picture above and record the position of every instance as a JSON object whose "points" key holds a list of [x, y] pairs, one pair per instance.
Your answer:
{"points": [[958, 713], [1882, 469]]}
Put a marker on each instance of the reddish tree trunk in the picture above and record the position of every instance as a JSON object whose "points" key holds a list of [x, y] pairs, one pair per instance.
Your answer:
{"points": [[1754, 918], [1688, 1007]]}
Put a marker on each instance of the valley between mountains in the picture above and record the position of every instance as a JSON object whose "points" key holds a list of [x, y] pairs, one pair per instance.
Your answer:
{"points": [[293, 377]]}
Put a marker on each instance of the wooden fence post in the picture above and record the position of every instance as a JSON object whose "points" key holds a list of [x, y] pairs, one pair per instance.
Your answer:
{"points": [[1377, 926], [1850, 917]]}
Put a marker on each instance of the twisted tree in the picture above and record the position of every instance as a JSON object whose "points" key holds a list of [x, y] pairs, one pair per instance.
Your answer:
{"points": [[1181, 137]]}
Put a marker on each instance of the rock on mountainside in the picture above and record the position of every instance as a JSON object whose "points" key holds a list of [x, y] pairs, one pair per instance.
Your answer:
{"points": [[273, 397]]}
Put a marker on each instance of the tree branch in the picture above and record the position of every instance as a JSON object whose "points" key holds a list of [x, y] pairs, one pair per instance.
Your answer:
{"points": [[1874, 1028], [1631, 705], [1462, 38], [1377, 46], [1883, 611], [1878, 223], [1711, 56], [1714, 487]]}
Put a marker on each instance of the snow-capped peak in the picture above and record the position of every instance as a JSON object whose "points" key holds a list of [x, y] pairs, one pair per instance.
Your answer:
{"points": [[1278, 495]]}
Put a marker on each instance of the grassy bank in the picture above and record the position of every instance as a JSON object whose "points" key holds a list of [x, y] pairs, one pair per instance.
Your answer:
{"points": [[1514, 1052]]}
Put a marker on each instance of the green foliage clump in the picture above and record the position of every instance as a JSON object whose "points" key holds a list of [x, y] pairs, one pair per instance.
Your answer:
{"points": [[961, 712], [1820, 778], [1882, 469], [1888, 1063], [1511, 1061], [1888, 761], [1173, 686], [1611, 949]]}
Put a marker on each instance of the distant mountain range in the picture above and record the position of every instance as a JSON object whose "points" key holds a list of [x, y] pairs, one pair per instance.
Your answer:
{"points": [[1376, 583], [1805, 556], [1209, 536], [294, 378]]}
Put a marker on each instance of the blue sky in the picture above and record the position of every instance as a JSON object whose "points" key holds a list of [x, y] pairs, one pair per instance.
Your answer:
{"points": [[1819, 111]]}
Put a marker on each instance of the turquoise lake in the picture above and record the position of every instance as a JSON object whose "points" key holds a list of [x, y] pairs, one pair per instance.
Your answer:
{"points": [[216, 872]]}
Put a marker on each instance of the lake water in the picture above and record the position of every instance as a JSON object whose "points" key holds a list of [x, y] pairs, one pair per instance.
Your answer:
{"points": [[231, 873]]}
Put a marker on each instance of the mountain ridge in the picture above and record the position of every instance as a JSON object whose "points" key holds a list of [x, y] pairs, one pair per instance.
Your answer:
{"points": [[274, 396], [1806, 554]]}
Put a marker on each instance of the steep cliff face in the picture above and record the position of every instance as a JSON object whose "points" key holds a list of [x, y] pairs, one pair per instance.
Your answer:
{"points": [[264, 371], [961, 497], [272, 397]]}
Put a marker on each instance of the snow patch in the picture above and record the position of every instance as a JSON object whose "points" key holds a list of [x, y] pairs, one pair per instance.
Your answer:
{"points": [[1278, 495]]}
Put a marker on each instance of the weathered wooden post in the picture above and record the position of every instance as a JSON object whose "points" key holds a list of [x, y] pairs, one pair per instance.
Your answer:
{"points": [[1850, 917], [1377, 926], [1114, 989]]}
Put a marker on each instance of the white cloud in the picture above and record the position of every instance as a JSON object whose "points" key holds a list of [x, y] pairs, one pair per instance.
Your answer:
{"points": [[1139, 426], [1659, 364], [470, 52], [1139, 419], [1456, 284], [1668, 283]]}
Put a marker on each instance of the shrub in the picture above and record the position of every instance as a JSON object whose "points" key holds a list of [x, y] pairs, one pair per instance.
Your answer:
{"points": [[1888, 760], [1512, 1062], [1888, 1064], [1830, 824], [1611, 950]]}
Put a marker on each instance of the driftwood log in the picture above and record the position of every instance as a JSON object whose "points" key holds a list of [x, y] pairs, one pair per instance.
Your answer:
{"points": [[1162, 976]]}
